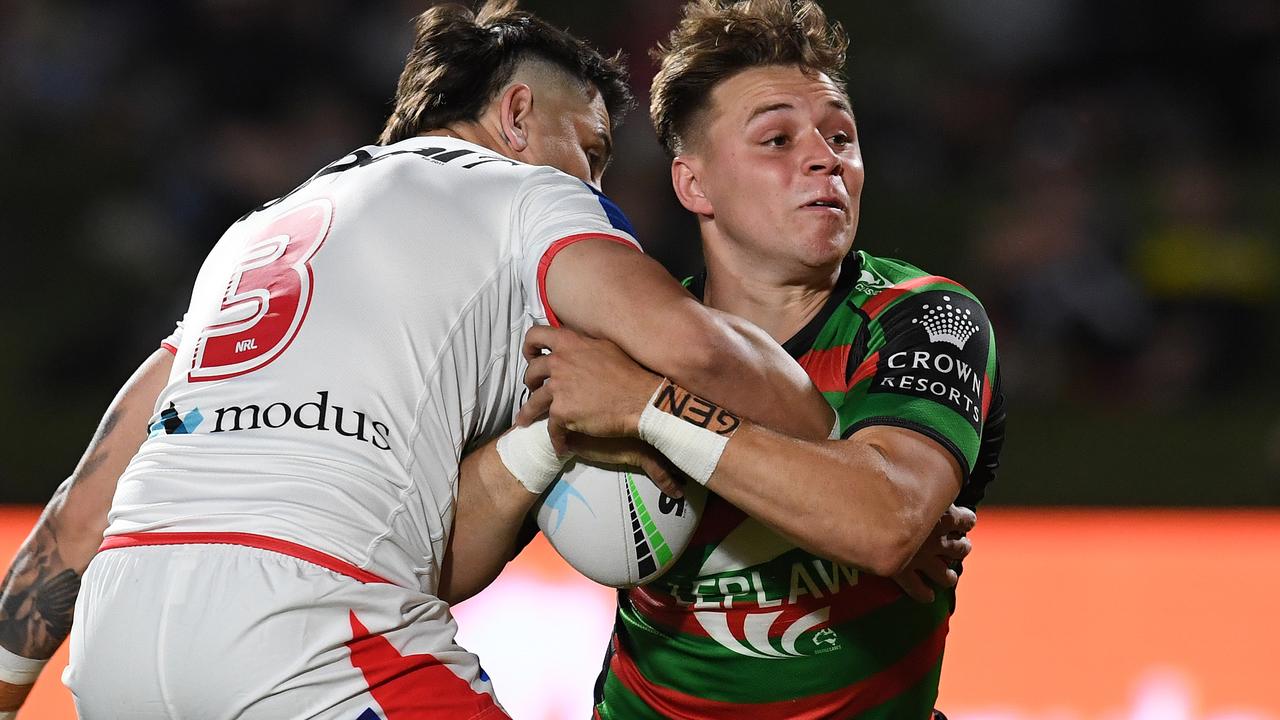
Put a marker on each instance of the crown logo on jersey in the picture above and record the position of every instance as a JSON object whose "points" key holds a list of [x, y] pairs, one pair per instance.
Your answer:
{"points": [[947, 323]]}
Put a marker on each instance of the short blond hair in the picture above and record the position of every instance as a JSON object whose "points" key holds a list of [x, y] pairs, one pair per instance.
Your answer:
{"points": [[717, 39]]}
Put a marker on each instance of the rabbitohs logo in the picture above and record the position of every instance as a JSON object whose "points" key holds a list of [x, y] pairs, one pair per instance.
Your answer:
{"points": [[871, 282], [764, 635]]}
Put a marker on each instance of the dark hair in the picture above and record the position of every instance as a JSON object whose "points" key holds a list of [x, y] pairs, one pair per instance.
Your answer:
{"points": [[461, 59], [717, 39]]}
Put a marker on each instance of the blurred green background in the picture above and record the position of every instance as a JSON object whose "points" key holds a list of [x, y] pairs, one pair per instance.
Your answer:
{"points": [[1105, 176]]}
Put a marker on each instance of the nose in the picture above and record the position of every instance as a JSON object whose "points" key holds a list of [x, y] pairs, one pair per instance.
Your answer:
{"points": [[819, 158]]}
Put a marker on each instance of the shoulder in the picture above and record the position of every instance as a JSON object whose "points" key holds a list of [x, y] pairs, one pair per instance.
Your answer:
{"points": [[886, 283], [549, 193], [440, 160]]}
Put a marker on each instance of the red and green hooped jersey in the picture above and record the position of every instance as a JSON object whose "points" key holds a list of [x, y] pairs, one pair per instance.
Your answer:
{"points": [[746, 625]]}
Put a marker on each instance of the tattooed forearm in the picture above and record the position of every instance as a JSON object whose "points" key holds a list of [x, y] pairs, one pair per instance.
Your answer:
{"points": [[39, 595], [37, 598]]}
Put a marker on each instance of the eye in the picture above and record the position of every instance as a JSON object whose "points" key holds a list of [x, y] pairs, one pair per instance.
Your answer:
{"points": [[776, 141], [841, 139]]}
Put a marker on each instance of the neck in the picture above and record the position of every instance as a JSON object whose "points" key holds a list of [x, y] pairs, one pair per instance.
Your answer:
{"points": [[477, 133], [755, 291]]}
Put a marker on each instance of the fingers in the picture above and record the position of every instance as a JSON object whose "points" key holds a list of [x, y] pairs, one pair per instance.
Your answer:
{"points": [[539, 339], [937, 571], [963, 518], [626, 451], [955, 548], [914, 586], [537, 373], [663, 478], [538, 405]]}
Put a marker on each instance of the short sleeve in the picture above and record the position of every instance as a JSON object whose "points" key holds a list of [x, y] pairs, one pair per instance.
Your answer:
{"points": [[553, 211], [174, 339], [929, 368]]}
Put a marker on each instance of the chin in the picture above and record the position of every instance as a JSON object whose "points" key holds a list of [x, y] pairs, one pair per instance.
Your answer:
{"points": [[826, 250]]}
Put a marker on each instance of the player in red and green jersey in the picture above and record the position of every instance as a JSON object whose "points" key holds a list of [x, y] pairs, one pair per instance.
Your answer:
{"points": [[747, 624], [780, 607]]}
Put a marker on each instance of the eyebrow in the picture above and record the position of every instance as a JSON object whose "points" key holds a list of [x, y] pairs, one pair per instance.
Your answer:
{"points": [[842, 105], [764, 109]]}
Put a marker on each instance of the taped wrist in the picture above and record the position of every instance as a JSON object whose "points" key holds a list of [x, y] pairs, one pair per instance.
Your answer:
{"points": [[528, 454], [18, 670], [691, 431]]}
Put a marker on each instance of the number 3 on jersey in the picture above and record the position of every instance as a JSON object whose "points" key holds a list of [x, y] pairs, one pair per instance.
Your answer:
{"points": [[267, 297]]}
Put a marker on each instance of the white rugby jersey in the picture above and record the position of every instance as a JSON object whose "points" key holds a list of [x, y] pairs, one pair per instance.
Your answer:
{"points": [[346, 343]]}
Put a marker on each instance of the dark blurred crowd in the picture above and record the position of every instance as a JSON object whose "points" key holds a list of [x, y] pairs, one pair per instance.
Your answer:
{"points": [[1106, 176]]}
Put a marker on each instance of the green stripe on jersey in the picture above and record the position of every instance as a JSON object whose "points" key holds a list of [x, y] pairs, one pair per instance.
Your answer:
{"points": [[703, 667], [897, 330]]}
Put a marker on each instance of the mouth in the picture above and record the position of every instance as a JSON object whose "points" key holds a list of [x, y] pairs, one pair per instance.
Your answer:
{"points": [[830, 203]]}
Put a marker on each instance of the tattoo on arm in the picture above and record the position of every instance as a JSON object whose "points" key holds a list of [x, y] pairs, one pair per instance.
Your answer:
{"points": [[39, 596]]}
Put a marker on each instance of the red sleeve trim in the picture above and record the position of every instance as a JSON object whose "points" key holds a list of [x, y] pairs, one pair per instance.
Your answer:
{"points": [[170, 347], [545, 264], [878, 303], [262, 542]]}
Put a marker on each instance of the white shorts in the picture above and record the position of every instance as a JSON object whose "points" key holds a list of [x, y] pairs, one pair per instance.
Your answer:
{"points": [[219, 631]]}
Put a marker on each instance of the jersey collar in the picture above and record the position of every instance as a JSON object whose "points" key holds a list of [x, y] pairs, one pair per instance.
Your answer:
{"points": [[802, 341]]}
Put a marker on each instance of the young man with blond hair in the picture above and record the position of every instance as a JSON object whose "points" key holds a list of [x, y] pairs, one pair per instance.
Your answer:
{"points": [[783, 604]]}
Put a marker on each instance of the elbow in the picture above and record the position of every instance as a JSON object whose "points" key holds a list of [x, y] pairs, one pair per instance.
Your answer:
{"points": [[892, 555], [700, 348], [885, 552], [79, 516], [888, 536]]}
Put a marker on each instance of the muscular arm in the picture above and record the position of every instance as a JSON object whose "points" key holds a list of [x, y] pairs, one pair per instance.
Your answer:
{"points": [[491, 520], [867, 501], [607, 290], [488, 515], [39, 591], [881, 491]]}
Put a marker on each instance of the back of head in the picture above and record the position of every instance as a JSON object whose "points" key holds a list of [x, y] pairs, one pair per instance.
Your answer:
{"points": [[461, 60], [717, 39]]}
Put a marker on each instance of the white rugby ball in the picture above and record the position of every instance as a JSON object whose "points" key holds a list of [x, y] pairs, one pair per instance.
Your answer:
{"points": [[612, 524]]}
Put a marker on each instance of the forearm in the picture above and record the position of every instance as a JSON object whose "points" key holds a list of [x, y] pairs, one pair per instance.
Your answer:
{"points": [[847, 500], [40, 588], [749, 374], [37, 599], [490, 510], [39, 591]]}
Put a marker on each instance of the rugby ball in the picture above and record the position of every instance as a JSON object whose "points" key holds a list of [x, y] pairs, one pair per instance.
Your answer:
{"points": [[613, 525]]}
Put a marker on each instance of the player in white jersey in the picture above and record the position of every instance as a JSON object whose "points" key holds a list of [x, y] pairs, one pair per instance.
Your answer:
{"points": [[276, 545]]}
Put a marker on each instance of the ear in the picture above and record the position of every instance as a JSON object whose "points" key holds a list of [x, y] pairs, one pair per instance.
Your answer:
{"points": [[686, 173], [513, 114]]}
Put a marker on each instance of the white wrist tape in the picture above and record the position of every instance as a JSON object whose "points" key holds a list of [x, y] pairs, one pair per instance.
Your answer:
{"points": [[530, 457], [18, 670], [11, 715], [836, 433], [690, 431]]}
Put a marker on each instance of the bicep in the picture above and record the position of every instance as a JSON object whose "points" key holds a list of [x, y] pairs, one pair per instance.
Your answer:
{"points": [[609, 290]]}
